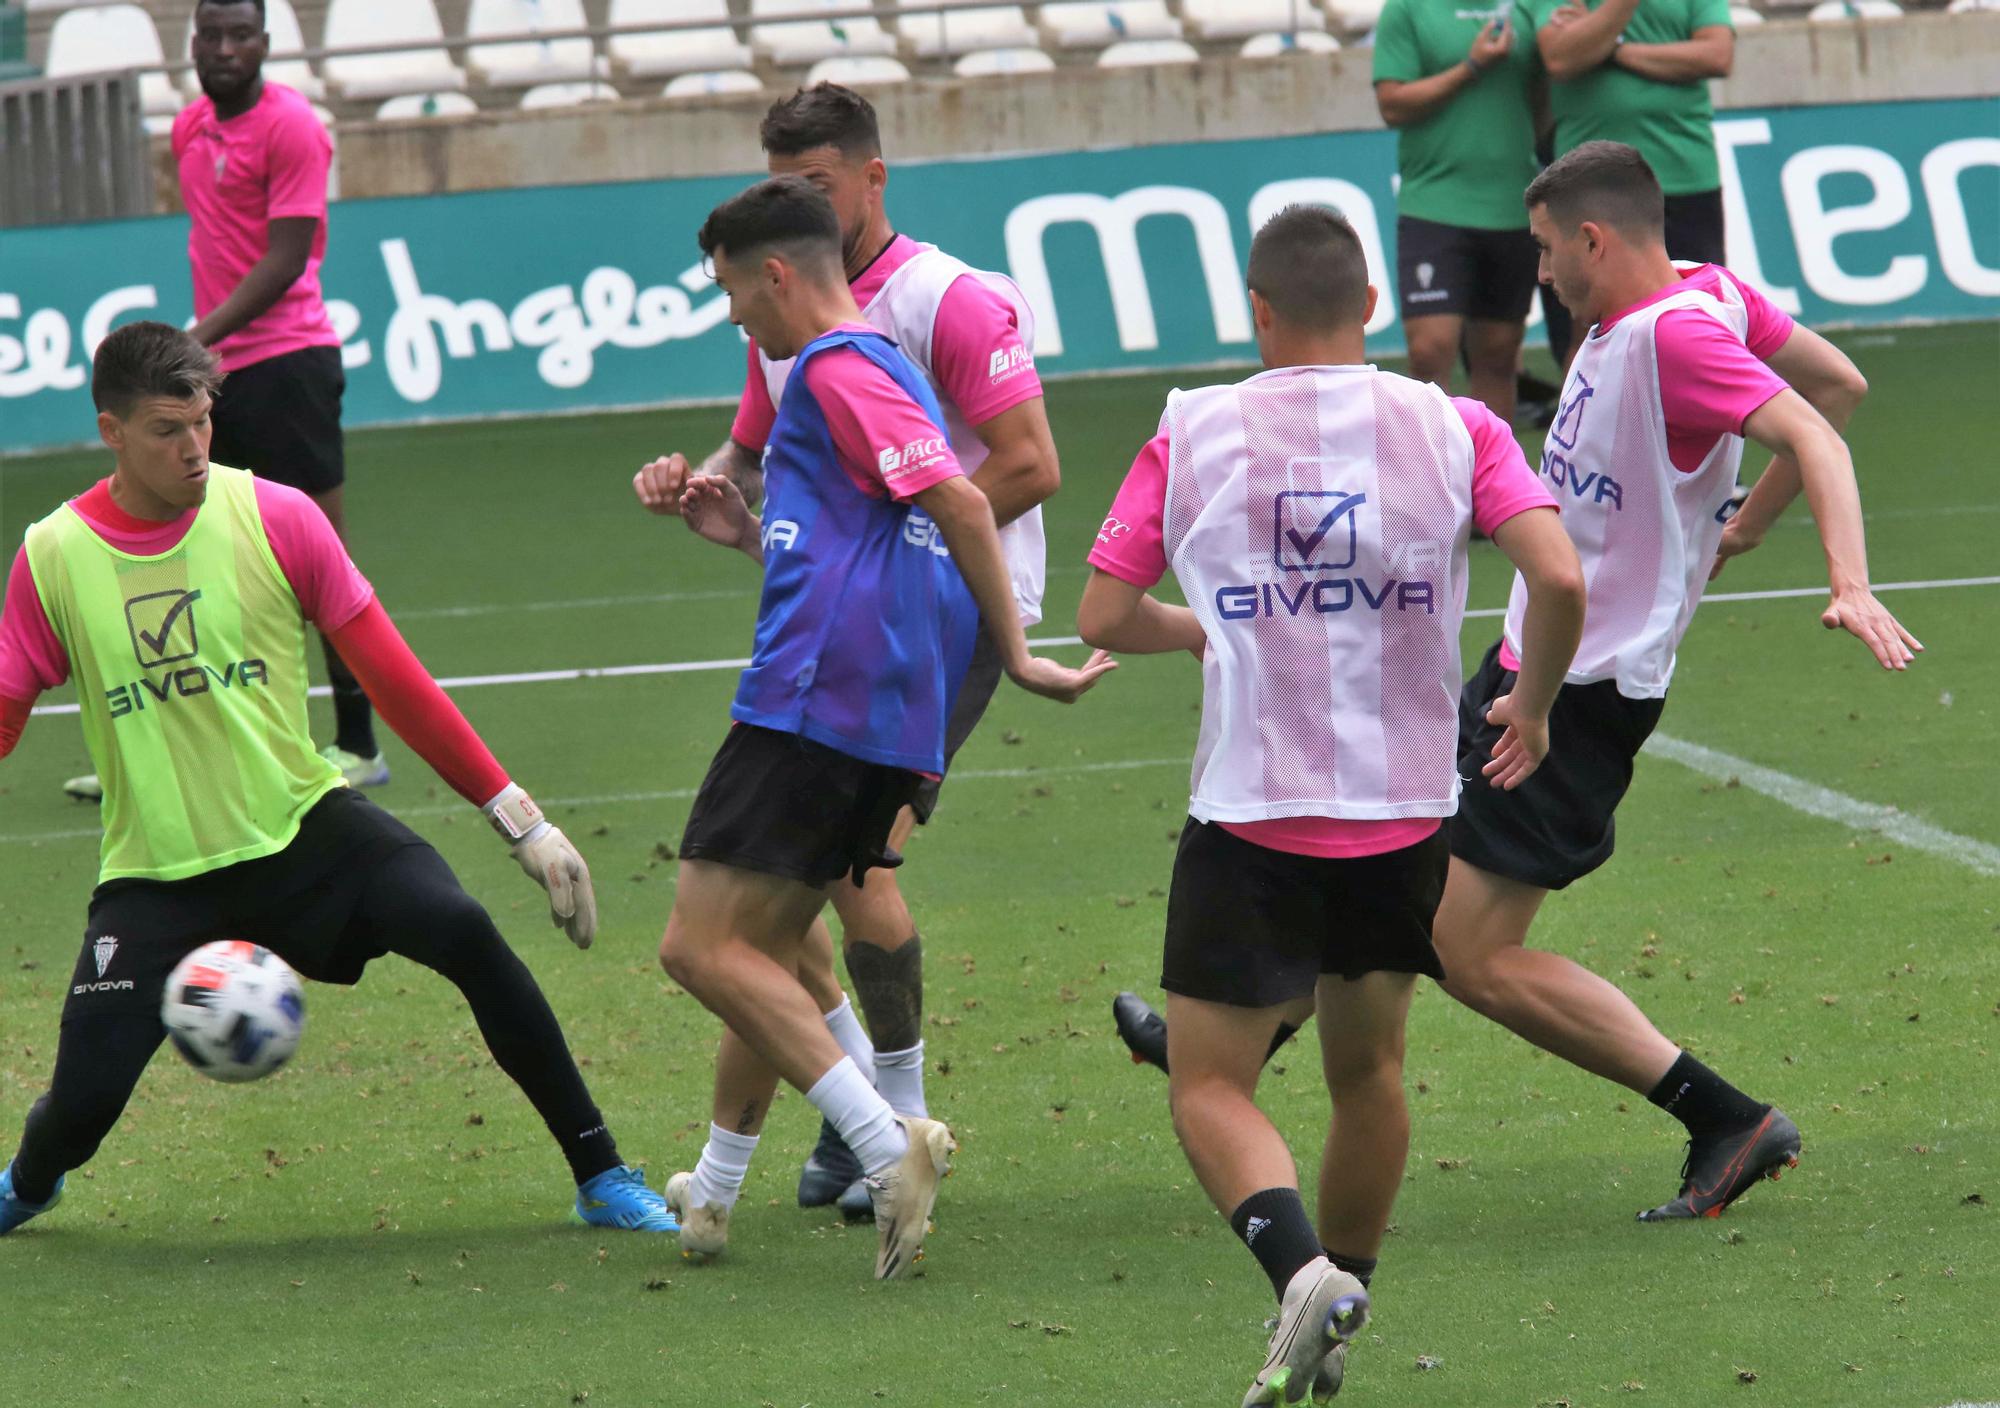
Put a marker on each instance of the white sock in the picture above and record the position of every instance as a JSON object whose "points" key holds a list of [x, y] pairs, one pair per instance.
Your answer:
{"points": [[862, 1116], [725, 1160], [853, 1037], [899, 1075]]}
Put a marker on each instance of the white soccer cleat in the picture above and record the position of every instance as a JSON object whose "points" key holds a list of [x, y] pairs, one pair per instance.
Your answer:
{"points": [[84, 789], [904, 1196], [359, 771], [1323, 1308], [704, 1229]]}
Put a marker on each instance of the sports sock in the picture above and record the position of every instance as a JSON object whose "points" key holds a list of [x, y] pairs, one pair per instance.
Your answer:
{"points": [[899, 1075], [590, 1152], [1361, 1268], [1286, 1031], [1274, 1225], [1701, 1099], [848, 1031], [353, 715], [862, 1116], [725, 1161]]}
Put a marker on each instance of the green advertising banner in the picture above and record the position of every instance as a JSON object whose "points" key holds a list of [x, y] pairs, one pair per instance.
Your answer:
{"points": [[572, 298]]}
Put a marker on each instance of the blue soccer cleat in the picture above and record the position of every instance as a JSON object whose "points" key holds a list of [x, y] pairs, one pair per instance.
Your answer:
{"points": [[619, 1197], [830, 1171], [13, 1210]]}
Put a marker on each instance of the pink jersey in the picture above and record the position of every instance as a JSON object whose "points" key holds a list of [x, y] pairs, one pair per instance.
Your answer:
{"points": [[1131, 546], [977, 360], [330, 588], [267, 164], [868, 414]]}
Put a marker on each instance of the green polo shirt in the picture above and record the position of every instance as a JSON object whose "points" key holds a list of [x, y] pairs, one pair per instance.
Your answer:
{"points": [[1468, 162], [1672, 124]]}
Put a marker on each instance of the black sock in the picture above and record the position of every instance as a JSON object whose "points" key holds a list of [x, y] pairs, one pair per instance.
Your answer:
{"points": [[1701, 1099], [1361, 1268], [353, 715], [590, 1152], [1274, 1225], [1286, 1031]]}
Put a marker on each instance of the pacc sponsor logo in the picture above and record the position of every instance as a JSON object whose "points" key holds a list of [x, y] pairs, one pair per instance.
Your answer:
{"points": [[915, 455], [1113, 530], [1009, 362]]}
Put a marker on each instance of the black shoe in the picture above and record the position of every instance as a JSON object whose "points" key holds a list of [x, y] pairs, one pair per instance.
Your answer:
{"points": [[1722, 1167], [831, 1169], [1142, 1029]]}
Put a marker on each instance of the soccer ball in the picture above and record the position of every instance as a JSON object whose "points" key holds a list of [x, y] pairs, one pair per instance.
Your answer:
{"points": [[235, 1010]]}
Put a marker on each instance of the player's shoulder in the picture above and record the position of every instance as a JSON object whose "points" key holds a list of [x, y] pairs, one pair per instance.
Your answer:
{"points": [[278, 504], [189, 120], [285, 110]]}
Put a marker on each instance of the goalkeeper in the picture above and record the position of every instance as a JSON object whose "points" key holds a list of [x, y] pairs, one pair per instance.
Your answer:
{"points": [[178, 594]]}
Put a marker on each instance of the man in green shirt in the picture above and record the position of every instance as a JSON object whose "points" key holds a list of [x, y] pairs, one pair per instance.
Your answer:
{"points": [[1637, 72], [1453, 81]]}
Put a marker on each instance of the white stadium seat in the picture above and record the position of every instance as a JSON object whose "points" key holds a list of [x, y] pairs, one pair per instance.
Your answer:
{"points": [[680, 50], [1354, 16], [799, 39], [1237, 19], [692, 85], [107, 39], [425, 105], [1834, 11], [536, 60], [871, 71], [966, 31], [568, 95], [1306, 41], [1101, 22], [1961, 7], [988, 62], [1148, 53], [281, 22], [426, 68], [1742, 15]]}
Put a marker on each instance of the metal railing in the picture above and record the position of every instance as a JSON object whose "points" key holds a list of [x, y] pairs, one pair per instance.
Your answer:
{"points": [[73, 149]]}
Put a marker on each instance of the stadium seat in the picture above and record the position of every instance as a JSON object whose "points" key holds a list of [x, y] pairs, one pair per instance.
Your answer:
{"points": [[989, 62], [806, 40], [967, 31], [1354, 16], [1962, 7], [870, 71], [425, 105], [1093, 25], [281, 22], [111, 38], [1148, 53], [1237, 19], [426, 68], [1742, 16], [568, 95], [681, 50], [1835, 11], [692, 85], [537, 60], [1305, 41]]}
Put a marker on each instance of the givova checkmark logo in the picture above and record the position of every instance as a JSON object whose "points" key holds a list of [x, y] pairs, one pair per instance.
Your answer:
{"points": [[163, 629], [1316, 530]]}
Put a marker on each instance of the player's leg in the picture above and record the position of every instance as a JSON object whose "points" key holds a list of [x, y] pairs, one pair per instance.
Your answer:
{"points": [[355, 750], [885, 965], [1433, 341], [99, 1059], [1501, 288], [1433, 281], [831, 1172], [1144, 1030]]}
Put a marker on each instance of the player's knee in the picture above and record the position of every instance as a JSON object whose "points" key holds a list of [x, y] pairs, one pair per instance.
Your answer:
{"points": [[680, 958], [1369, 1076], [457, 933], [1432, 354]]}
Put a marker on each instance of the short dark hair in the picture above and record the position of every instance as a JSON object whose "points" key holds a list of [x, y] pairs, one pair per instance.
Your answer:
{"points": [[1608, 183], [824, 115], [150, 359], [258, 3], [1308, 264], [784, 213]]}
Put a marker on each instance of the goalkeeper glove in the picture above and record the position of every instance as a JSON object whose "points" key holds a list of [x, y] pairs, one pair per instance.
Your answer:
{"points": [[547, 855]]}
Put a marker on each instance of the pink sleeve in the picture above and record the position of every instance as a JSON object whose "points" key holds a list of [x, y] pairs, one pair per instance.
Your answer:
{"points": [[31, 658], [976, 352], [1769, 326], [330, 588], [1709, 382], [298, 159], [755, 414], [886, 443], [1502, 483], [1132, 544]]}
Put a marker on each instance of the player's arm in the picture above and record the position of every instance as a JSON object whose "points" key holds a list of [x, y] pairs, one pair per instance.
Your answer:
{"points": [[1710, 52], [1120, 616], [31, 658], [1021, 470], [1833, 386], [1787, 425], [661, 484], [1575, 41], [284, 261], [713, 508], [1534, 541], [14, 716], [1404, 102]]}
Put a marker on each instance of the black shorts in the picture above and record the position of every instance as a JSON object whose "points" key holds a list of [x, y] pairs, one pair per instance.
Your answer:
{"points": [[1464, 272], [1694, 227], [1248, 926], [785, 805], [982, 679], [297, 903], [1556, 827], [280, 419]]}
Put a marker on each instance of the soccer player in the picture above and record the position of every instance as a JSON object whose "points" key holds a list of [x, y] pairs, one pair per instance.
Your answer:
{"points": [[969, 334], [1316, 517], [880, 559], [177, 593]]}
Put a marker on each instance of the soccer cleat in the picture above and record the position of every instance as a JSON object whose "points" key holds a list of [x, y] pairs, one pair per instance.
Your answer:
{"points": [[1332, 1374], [359, 771], [905, 1194], [831, 1169], [704, 1230], [1323, 1308], [619, 1197], [1143, 1030], [1721, 1168], [87, 788], [15, 1211]]}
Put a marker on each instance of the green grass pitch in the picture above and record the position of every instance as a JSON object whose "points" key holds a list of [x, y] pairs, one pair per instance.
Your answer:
{"points": [[384, 1224]]}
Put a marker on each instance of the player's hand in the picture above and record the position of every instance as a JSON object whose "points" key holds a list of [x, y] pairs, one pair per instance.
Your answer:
{"points": [[1734, 543], [1856, 611], [661, 483], [1045, 677], [1524, 742], [713, 507], [1492, 44], [548, 857]]}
